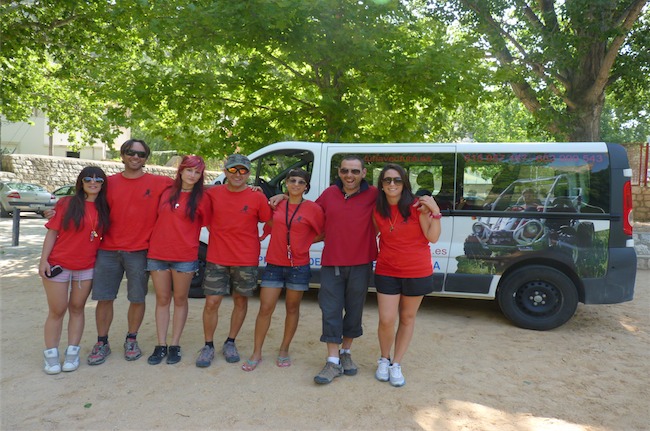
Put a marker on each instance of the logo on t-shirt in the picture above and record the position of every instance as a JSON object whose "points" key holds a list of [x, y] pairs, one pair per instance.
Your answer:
{"points": [[245, 209], [147, 194]]}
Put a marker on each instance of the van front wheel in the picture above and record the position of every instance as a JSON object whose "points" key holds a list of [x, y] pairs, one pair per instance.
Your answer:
{"points": [[537, 297]]}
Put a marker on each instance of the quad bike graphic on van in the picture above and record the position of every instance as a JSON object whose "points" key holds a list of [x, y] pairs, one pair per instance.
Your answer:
{"points": [[541, 221]]}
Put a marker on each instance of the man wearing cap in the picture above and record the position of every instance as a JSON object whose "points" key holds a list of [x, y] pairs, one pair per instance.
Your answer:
{"points": [[233, 253]]}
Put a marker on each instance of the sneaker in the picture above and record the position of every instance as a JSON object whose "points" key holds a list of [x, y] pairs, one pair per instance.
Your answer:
{"points": [[206, 355], [51, 364], [159, 352], [230, 352], [174, 354], [99, 353], [382, 370], [396, 377], [329, 372], [71, 361], [131, 349], [349, 367]]}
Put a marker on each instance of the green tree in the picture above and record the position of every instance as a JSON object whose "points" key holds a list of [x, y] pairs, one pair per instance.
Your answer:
{"points": [[560, 57], [254, 72]]}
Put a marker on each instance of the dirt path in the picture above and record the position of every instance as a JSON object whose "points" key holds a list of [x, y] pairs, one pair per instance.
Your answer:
{"points": [[467, 369]]}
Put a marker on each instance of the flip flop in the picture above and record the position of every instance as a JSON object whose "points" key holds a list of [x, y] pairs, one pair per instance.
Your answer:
{"points": [[250, 365], [283, 361]]}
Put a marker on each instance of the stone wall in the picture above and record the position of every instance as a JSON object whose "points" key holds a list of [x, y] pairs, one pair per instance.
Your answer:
{"points": [[636, 153], [54, 172]]}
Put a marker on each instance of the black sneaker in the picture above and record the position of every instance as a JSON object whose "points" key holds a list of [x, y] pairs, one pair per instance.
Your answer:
{"points": [[159, 352], [174, 355]]}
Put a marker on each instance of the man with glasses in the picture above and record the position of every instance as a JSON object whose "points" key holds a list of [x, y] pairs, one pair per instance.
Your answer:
{"points": [[350, 248], [233, 253], [133, 197]]}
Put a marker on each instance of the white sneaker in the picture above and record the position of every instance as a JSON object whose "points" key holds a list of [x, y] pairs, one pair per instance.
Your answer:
{"points": [[382, 370], [396, 377], [71, 361], [52, 365]]}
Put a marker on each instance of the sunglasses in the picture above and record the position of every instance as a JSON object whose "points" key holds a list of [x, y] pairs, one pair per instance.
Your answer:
{"points": [[234, 170], [397, 180], [297, 181], [94, 179], [131, 153], [345, 171]]}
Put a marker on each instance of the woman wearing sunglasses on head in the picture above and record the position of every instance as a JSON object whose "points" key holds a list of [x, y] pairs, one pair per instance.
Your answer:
{"points": [[296, 223], [404, 273], [69, 251], [172, 258]]}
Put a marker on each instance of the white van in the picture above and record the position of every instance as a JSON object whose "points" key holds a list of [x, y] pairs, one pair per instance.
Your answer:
{"points": [[537, 226]]}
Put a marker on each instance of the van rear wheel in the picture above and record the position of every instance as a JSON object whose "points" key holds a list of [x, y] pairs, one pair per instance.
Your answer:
{"points": [[538, 297]]}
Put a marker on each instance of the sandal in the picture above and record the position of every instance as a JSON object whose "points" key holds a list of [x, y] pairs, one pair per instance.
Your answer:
{"points": [[283, 361], [250, 365]]}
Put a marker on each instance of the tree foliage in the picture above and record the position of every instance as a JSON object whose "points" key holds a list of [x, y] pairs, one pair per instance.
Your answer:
{"points": [[559, 57]]}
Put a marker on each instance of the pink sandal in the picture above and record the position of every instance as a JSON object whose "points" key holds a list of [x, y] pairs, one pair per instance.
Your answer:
{"points": [[283, 361], [250, 365]]}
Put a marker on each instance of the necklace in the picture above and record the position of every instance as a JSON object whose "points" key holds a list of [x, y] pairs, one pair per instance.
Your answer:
{"points": [[392, 221], [288, 223], [93, 232]]}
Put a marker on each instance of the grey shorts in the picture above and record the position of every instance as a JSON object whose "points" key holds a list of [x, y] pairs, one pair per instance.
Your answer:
{"points": [[223, 280], [111, 266]]}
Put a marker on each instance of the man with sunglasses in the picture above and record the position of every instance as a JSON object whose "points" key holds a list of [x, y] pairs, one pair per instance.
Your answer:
{"points": [[233, 253], [133, 197], [350, 248]]}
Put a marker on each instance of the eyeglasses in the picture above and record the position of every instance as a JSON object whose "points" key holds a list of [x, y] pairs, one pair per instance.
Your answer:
{"points": [[397, 180], [95, 179], [234, 170], [297, 181], [345, 171], [131, 153]]}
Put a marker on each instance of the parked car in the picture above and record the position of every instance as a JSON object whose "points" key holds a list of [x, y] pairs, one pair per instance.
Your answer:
{"points": [[24, 196], [64, 191]]}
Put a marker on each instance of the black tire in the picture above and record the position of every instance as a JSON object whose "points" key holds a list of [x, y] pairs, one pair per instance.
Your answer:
{"points": [[196, 286], [476, 250], [4, 214], [585, 234], [537, 297]]}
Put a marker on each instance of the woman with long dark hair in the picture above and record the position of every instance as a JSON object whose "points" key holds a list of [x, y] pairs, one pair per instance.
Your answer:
{"points": [[404, 271], [173, 253], [69, 252]]}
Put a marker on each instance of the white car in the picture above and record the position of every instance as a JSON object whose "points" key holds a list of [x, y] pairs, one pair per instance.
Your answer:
{"points": [[25, 197]]}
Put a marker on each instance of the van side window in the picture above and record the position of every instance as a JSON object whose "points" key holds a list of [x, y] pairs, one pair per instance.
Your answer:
{"points": [[429, 173], [270, 170], [567, 182]]}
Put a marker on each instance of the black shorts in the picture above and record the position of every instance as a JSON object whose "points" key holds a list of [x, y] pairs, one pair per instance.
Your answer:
{"points": [[404, 286]]}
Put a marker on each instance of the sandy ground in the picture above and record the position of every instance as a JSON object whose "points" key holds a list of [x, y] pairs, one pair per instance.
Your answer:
{"points": [[467, 369]]}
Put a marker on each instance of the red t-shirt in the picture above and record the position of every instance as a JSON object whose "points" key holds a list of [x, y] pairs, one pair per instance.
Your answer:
{"points": [[133, 204], [350, 237], [175, 237], [74, 249], [403, 252], [306, 224], [233, 219]]}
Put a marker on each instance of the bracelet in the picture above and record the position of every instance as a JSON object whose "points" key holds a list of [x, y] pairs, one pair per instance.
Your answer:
{"points": [[435, 216]]}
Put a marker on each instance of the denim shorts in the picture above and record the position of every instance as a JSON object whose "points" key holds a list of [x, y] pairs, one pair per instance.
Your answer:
{"points": [[111, 266], [404, 286], [223, 280], [165, 265], [291, 277]]}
